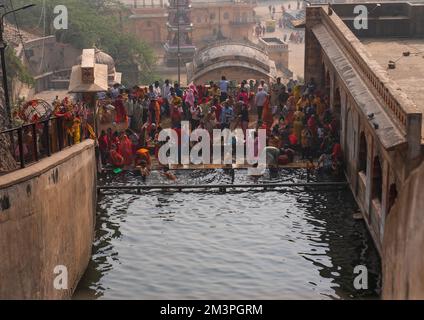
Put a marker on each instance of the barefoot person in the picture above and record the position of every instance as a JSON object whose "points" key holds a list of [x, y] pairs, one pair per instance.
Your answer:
{"points": [[144, 169], [167, 174]]}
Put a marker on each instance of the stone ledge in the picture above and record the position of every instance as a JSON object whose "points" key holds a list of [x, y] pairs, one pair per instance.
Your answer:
{"points": [[44, 165]]}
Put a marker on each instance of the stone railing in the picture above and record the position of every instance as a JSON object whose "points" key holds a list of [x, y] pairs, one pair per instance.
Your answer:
{"points": [[354, 48]]}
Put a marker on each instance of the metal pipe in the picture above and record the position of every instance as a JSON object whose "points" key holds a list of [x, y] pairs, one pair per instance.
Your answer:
{"points": [[34, 141], [59, 129], [47, 133], [21, 148], [204, 168], [178, 42], [225, 186], [4, 76]]}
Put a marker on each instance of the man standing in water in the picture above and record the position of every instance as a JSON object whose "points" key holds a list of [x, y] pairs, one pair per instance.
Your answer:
{"points": [[168, 175], [272, 155], [144, 169]]}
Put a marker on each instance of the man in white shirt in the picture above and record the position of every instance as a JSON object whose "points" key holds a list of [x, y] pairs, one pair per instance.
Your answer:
{"points": [[166, 89], [166, 93], [157, 89], [223, 86], [264, 86], [260, 100]]}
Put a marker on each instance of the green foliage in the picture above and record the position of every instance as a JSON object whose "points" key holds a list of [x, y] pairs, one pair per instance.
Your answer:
{"points": [[93, 23], [15, 68]]}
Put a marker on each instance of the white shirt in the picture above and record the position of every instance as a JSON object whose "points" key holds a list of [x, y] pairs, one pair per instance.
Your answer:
{"points": [[260, 98], [223, 86], [166, 90], [158, 91]]}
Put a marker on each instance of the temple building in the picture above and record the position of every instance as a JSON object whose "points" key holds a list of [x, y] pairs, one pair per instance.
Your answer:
{"points": [[223, 19], [179, 46], [236, 60], [212, 20]]}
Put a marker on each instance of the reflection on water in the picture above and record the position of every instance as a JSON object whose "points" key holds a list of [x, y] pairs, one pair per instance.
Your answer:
{"points": [[249, 245]]}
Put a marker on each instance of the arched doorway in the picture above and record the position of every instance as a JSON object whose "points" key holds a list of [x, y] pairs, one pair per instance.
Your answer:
{"points": [[377, 180], [363, 154]]}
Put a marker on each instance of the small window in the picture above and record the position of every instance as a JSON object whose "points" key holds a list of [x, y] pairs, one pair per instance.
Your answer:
{"points": [[226, 16], [212, 16], [149, 24]]}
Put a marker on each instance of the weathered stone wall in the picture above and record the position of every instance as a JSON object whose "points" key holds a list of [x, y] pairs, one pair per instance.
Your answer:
{"points": [[313, 58], [47, 216], [378, 165], [403, 259], [44, 57]]}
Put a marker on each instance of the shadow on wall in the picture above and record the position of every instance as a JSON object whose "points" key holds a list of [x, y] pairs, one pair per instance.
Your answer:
{"points": [[403, 261]]}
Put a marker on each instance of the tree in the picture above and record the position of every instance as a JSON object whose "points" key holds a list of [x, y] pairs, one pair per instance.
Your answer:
{"points": [[15, 69], [94, 22]]}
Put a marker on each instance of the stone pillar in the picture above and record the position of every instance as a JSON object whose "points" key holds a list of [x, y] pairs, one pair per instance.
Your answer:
{"points": [[413, 134], [385, 198], [343, 124], [370, 166], [313, 59], [332, 89]]}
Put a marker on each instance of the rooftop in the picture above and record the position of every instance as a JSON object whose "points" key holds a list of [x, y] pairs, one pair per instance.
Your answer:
{"points": [[236, 50], [273, 40], [409, 71]]}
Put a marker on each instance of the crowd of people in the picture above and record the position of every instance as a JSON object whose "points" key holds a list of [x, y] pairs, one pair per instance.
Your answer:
{"points": [[298, 120], [65, 122]]}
